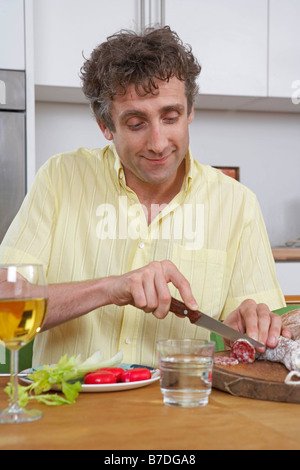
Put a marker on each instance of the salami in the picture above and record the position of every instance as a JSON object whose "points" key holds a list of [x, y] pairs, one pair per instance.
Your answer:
{"points": [[286, 352], [243, 351], [225, 361], [292, 320]]}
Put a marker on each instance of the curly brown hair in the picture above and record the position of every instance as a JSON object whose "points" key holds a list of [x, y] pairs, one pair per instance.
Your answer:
{"points": [[140, 59]]}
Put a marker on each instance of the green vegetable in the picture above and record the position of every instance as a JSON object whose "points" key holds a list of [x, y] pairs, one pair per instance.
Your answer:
{"points": [[64, 375]]}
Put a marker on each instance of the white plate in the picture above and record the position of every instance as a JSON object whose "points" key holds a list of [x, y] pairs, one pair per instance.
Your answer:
{"points": [[117, 387]]}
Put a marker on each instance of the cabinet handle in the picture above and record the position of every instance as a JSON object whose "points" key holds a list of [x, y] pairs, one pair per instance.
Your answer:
{"points": [[150, 22], [142, 13], [162, 12]]}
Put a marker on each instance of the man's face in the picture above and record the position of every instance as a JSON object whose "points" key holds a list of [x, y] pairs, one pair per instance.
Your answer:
{"points": [[151, 132]]}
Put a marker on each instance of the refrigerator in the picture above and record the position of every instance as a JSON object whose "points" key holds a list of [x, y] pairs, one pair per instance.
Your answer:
{"points": [[12, 145]]}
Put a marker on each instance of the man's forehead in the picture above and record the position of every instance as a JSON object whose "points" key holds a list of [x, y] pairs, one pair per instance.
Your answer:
{"points": [[141, 90], [173, 89]]}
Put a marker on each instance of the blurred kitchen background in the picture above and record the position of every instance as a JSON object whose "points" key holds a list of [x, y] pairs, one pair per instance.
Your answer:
{"points": [[247, 114]]}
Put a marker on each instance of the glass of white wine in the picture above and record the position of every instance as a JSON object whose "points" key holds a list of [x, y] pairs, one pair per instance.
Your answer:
{"points": [[23, 306]]}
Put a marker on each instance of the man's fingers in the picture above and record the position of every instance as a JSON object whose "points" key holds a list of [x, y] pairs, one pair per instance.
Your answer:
{"points": [[264, 322], [156, 291], [181, 283], [249, 315], [274, 330], [260, 323], [147, 288], [163, 295]]}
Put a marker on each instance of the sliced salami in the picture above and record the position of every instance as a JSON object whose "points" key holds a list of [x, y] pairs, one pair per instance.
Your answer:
{"points": [[243, 351], [225, 361]]}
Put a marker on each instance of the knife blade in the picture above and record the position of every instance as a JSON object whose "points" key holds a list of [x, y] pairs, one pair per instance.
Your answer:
{"points": [[201, 319]]}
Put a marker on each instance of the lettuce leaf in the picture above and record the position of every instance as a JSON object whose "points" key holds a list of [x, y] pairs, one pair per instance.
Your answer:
{"points": [[65, 376]]}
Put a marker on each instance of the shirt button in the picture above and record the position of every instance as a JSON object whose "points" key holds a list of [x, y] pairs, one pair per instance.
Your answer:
{"points": [[127, 341], [141, 245]]}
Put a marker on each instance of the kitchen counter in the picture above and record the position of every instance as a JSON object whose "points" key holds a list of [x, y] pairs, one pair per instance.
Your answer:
{"points": [[138, 419], [285, 253]]}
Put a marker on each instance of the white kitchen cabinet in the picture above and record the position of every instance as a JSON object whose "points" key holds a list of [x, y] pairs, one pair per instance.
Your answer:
{"points": [[284, 55], [249, 50], [230, 41], [12, 42], [67, 30], [288, 275]]}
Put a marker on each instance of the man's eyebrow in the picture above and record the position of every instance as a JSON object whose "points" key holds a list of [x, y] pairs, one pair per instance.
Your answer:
{"points": [[135, 112], [173, 107]]}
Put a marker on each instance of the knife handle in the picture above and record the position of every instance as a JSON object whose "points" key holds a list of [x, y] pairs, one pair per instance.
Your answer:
{"points": [[180, 308]]}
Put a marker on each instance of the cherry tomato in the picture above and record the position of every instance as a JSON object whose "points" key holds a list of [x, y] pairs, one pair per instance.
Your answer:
{"points": [[136, 374], [117, 371], [95, 378]]}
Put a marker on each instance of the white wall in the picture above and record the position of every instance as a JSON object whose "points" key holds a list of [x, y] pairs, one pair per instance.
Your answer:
{"points": [[264, 145], [61, 127]]}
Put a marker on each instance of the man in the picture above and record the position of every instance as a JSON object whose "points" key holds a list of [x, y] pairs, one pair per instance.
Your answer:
{"points": [[120, 230]]}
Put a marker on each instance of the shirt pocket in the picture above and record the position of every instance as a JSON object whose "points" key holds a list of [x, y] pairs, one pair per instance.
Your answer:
{"points": [[205, 271]]}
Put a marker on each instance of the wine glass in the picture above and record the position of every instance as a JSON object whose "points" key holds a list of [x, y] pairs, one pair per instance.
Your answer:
{"points": [[23, 306]]}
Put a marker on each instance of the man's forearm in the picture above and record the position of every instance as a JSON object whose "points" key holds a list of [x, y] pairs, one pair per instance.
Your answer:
{"points": [[146, 288], [71, 300]]}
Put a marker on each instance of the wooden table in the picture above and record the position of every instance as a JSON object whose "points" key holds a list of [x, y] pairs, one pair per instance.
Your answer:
{"points": [[138, 419]]}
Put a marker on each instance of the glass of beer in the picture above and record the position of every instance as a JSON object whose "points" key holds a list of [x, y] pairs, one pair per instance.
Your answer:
{"points": [[23, 306]]}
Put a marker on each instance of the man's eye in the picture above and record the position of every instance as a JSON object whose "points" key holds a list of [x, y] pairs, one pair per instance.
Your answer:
{"points": [[135, 126], [135, 123], [170, 119]]}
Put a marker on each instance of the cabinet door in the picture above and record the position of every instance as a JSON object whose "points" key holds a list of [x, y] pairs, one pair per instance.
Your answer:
{"points": [[284, 58], [229, 39], [12, 52], [65, 31]]}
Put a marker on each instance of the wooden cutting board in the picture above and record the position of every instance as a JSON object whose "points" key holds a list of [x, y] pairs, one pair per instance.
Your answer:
{"points": [[261, 380]]}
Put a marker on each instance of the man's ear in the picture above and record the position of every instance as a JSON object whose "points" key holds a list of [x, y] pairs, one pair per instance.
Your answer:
{"points": [[191, 115], [105, 131]]}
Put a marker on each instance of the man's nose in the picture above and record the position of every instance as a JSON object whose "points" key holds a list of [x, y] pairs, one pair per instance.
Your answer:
{"points": [[157, 139]]}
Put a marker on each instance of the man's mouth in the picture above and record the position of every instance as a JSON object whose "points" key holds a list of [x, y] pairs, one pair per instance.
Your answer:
{"points": [[159, 160]]}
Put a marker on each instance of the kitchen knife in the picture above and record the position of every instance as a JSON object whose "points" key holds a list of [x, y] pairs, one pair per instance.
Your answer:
{"points": [[200, 319]]}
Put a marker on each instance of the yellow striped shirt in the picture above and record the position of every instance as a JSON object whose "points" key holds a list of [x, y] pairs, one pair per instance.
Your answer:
{"points": [[82, 222]]}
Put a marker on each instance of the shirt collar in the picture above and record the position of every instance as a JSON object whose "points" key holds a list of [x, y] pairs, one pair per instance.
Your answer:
{"points": [[189, 165], [117, 163]]}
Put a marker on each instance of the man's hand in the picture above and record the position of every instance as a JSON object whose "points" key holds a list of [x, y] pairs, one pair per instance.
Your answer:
{"points": [[258, 322], [147, 288]]}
